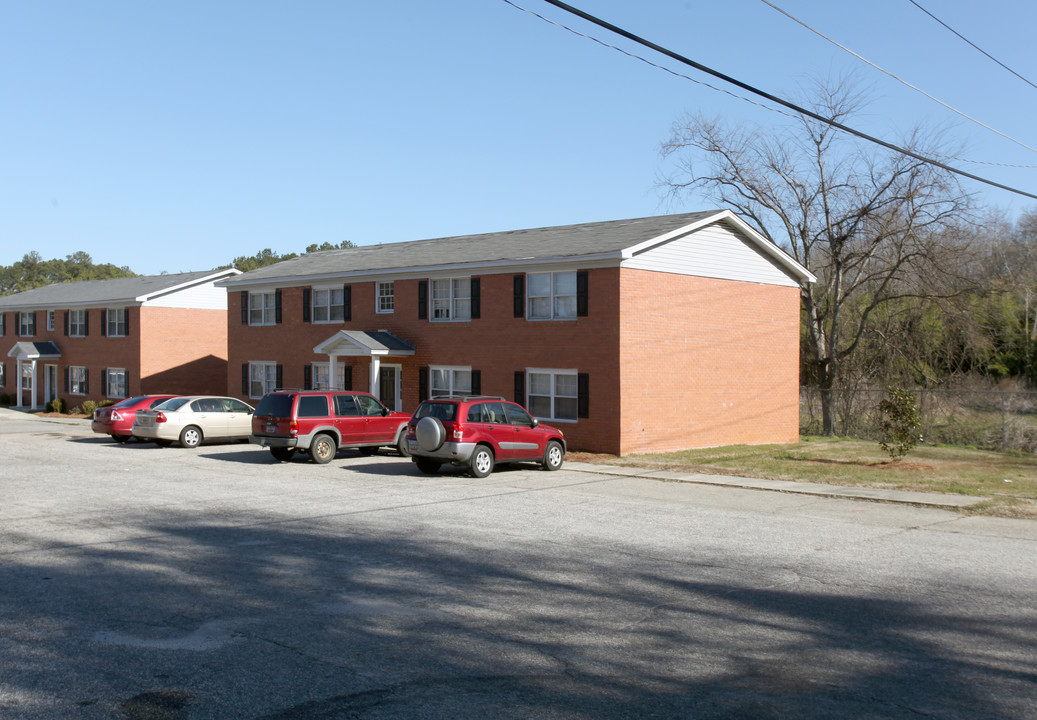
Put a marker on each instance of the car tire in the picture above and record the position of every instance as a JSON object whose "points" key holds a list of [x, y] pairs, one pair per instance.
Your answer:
{"points": [[481, 463], [428, 465], [191, 436], [401, 444], [554, 456], [121, 438], [323, 449], [430, 433], [282, 454]]}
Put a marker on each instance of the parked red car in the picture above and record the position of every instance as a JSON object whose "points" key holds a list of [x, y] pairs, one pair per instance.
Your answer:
{"points": [[117, 420]]}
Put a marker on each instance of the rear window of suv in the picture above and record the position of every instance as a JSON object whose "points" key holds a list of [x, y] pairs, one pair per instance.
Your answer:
{"points": [[439, 410], [275, 406]]}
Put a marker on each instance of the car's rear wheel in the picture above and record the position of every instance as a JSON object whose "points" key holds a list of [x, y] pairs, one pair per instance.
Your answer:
{"points": [[282, 454], [553, 456], [121, 438], [481, 462], [428, 466], [323, 449], [191, 437]]}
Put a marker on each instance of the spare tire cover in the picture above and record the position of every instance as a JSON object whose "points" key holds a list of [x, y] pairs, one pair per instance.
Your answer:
{"points": [[430, 433]]}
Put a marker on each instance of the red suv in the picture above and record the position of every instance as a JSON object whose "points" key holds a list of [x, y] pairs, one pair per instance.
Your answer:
{"points": [[321, 422], [480, 432]]}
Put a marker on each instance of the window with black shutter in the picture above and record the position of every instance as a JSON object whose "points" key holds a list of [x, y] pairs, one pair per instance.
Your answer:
{"points": [[581, 293], [423, 384], [306, 305], [244, 307], [476, 382], [277, 306], [347, 302], [520, 387], [476, 299], [422, 299], [307, 377], [520, 295]]}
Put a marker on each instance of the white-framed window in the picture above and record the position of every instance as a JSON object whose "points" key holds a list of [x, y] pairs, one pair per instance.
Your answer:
{"points": [[116, 383], [77, 380], [445, 380], [385, 297], [117, 323], [26, 324], [553, 394], [262, 308], [452, 299], [321, 379], [262, 378], [50, 321], [3, 375], [551, 296], [27, 378], [327, 304], [77, 323]]}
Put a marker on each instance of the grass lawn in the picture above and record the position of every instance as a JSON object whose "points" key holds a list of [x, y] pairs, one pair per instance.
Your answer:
{"points": [[1008, 479]]}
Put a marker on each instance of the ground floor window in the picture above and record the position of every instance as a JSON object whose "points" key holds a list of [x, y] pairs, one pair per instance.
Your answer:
{"points": [[3, 375], [77, 380], [553, 394], [322, 376], [116, 383], [262, 378], [450, 381], [27, 378]]}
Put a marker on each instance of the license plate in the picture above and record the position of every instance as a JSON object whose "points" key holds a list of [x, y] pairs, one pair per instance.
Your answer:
{"points": [[270, 428]]}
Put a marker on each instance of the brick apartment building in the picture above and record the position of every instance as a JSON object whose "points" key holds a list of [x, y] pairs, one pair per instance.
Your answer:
{"points": [[638, 335], [113, 339]]}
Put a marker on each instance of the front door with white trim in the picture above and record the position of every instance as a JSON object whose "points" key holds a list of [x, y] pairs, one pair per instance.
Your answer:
{"points": [[389, 386], [50, 385]]}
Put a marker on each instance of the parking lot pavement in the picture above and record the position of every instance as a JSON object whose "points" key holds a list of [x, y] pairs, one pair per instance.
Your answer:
{"points": [[139, 582]]}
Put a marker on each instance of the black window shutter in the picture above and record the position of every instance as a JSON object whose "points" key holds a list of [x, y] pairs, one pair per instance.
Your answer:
{"points": [[104, 382], [86, 381], [520, 387], [476, 382], [279, 377], [86, 323], [104, 323], [476, 300], [244, 307], [126, 317], [3, 324], [66, 330], [306, 305], [244, 380], [422, 301], [65, 375], [347, 302], [307, 377], [520, 296], [581, 293], [277, 306], [423, 384], [347, 378], [583, 384]]}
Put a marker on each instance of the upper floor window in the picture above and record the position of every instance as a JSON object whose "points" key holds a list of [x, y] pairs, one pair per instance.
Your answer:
{"points": [[262, 308], [77, 323], [450, 381], [50, 321], [551, 296], [384, 297], [328, 305], [26, 324], [116, 323], [452, 299]]}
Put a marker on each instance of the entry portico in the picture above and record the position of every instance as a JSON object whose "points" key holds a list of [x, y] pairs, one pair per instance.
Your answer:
{"points": [[363, 343], [27, 356]]}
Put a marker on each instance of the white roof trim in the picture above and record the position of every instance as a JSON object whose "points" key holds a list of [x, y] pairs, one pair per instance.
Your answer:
{"points": [[218, 274]]}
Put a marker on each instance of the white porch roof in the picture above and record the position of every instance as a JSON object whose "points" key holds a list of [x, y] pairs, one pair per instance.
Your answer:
{"points": [[364, 343], [34, 351]]}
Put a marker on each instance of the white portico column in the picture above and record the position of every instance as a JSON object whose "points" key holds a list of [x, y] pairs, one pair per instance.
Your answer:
{"points": [[333, 372], [376, 365], [35, 369]]}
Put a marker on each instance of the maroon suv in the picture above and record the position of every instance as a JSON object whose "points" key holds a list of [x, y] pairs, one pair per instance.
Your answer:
{"points": [[321, 422], [479, 432]]}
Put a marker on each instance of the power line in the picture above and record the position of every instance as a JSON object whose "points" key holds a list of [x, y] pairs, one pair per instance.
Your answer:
{"points": [[972, 43], [895, 77], [773, 98]]}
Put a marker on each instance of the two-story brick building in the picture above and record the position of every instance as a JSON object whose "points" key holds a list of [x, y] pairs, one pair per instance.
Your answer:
{"points": [[112, 339], [635, 335]]}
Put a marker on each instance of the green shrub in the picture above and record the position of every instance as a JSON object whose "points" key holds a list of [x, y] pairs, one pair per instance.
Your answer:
{"points": [[57, 405], [88, 407], [901, 423]]}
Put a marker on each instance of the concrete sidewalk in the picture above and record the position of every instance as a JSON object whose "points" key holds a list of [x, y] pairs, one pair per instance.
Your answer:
{"points": [[940, 500]]}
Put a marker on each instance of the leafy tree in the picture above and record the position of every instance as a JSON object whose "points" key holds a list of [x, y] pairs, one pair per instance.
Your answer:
{"points": [[870, 224], [267, 256], [33, 271]]}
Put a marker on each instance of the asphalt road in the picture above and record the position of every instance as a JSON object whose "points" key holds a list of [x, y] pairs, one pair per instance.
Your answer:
{"points": [[167, 584]]}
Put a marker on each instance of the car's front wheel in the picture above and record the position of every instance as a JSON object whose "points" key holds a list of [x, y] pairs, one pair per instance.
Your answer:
{"points": [[121, 438], [323, 449], [401, 445], [481, 462], [554, 455], [190, 437]]}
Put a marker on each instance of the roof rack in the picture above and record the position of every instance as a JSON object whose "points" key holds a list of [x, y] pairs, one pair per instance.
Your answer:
{"points": [[469, 397]]}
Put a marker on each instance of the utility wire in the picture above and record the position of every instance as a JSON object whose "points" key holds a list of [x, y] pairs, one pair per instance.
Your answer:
{"points": [[895, 77], [784, 103], [972, 44]]}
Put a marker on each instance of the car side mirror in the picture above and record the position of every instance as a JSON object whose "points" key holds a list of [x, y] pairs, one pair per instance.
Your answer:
{"points": [[385, 412], [535, 423]]}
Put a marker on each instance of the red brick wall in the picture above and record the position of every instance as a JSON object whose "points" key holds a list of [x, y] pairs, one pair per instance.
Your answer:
{"points": [[183, 351], [707, 362]]}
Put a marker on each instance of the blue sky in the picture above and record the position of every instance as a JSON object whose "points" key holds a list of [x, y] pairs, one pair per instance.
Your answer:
{"points": [[169, 137]]}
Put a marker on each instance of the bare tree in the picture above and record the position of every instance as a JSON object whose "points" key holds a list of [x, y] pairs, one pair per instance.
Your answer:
{"points": [[866, 221]]}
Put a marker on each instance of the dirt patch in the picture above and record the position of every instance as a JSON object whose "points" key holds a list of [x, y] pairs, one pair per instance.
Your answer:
{"points": [[69, 416]]}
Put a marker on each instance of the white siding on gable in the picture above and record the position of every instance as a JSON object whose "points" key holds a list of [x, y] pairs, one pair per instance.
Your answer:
{"points": [[200, 297], [715, 252]]}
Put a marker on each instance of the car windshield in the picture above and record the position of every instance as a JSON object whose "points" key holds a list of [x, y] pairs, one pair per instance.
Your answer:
{"points": [[438, 410], [275, 406], [130, 402], [173, 404]]}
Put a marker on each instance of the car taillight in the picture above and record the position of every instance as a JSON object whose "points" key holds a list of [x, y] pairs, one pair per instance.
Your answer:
{"points": [[293, 428], [160, 417], [116, 416], [458, 432]]}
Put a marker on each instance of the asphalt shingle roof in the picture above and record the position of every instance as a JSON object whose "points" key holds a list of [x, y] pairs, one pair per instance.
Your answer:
{"points": [[518, 245], [91, 292]]}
